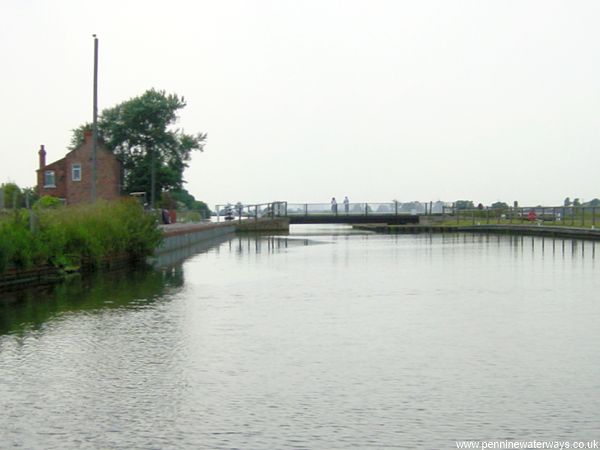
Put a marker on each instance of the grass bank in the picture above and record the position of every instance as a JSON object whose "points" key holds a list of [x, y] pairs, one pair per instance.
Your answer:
{"points": [[76, 237]]}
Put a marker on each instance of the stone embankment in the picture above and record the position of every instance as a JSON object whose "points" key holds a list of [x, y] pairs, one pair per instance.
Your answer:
{"points": [[180, 235]]}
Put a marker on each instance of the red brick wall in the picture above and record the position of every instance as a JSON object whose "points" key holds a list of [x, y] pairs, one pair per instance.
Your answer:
{"points": [[59, 180], [108, 176]]}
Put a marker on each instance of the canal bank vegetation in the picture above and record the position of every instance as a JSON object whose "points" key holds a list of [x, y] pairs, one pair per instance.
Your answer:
{"points": [[577, 222], [563, 216], [76, 237]]}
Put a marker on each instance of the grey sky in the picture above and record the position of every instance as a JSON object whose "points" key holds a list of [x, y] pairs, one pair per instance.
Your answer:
{"points": [[304, 100]]}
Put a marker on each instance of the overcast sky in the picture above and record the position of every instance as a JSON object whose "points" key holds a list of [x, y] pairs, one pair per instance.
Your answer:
{"points": [[305, 100]]}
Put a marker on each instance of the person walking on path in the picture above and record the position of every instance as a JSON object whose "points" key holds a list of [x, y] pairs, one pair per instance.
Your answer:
{"points": [[346, 204], [333, 205]]}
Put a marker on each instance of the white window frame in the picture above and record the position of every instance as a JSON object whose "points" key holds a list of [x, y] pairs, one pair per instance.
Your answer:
{"points": [[73, 167], [48, 173]]}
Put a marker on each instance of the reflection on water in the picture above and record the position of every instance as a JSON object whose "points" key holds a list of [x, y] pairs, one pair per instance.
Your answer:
{"points": [[30, 308], [265, 244], [324, 338], [174, 257]]}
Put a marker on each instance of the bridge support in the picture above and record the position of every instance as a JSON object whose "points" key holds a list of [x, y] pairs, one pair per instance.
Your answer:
{"points": [[277, 224]]}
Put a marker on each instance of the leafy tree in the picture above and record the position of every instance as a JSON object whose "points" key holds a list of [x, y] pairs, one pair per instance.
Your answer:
{"points": [[202, 208], [499, 205], [184, 197], [12, 195], [567, 202], [30, 196], [139, 131], [576, 202], [594, 203], [464, 204], [191, 203]]}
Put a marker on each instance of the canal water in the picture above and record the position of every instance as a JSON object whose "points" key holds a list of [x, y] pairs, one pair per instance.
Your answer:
{"points": [[324, 338]]}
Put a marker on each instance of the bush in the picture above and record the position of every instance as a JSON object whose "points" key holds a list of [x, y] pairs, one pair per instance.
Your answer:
{"points": [[77, 235], [46, 202]]}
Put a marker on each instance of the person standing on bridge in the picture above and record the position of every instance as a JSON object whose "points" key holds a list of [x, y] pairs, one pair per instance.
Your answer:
{"points": [[346, 204], [333, 205]]}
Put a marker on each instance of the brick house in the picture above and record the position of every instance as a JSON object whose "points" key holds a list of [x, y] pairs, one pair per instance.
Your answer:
{"points": [[70, 178]]}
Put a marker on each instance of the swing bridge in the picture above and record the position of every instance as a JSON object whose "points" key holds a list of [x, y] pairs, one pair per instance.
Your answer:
{"points": [[342, 213]]}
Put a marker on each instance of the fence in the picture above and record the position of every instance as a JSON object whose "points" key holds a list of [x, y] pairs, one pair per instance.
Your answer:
{"points": [[285, 209], [366, 209], [257, 211], [16, 199], [574, 216]]}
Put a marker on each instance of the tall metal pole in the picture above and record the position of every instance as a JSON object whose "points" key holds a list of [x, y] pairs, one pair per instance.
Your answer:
{"points": [[152, 178], [95, 121]]}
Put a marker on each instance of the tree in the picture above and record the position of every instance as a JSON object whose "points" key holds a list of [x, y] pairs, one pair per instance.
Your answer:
{"points": [[191, 203], [30, 196], [567, 202], [499, 205], [12, 195], [139, 131], [464, 204]]}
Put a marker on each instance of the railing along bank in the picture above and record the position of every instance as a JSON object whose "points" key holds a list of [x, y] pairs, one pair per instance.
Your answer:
{"points": [[573, 216]]}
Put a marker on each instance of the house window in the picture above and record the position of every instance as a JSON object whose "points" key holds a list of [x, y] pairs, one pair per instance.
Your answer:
{"points": [[76, 172], [49, 179]]}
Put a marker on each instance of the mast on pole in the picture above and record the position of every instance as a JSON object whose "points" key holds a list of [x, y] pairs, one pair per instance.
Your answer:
{"points": [[95, 121]]}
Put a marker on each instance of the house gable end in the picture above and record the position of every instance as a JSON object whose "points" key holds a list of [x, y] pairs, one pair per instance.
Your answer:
{"points": [[74, 174]]}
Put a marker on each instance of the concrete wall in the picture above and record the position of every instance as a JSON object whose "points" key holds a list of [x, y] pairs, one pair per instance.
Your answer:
{"points": [[266, 224], [176, 238]]}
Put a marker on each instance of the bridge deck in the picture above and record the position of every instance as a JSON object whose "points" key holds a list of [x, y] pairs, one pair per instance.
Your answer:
{"points": [[392, 219]]}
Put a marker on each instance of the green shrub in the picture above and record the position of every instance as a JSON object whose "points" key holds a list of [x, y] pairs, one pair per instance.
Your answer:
{"points": [[77, 235], [46, 202]]}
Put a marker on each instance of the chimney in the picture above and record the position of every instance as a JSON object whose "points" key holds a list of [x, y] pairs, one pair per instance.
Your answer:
{"points": [[42, 154], [87, 135]]}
